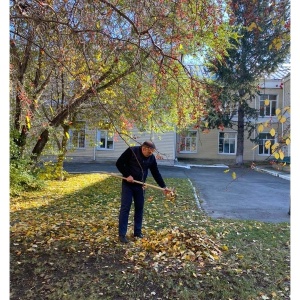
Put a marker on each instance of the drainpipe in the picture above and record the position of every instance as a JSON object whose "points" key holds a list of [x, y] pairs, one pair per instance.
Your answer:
{"points": [[283, 105], [253, 152], [283, 101], [174, 147], [94, 150]]}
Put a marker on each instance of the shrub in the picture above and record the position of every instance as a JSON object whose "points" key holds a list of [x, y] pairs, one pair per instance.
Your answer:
{"points": [[22, 175], [51, 171]]}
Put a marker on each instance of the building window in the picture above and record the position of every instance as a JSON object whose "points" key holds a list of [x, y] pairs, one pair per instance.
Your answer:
{"points": [[263, 137], [188, 142], [227, 142], [267, 105], [105, 140], [77, 136]]}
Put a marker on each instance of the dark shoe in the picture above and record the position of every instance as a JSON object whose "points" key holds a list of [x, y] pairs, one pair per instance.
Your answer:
{"points": [[140, 235], [123, 239]]}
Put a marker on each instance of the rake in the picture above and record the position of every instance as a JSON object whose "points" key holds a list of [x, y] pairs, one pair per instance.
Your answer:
{"points": [[170, 195]]}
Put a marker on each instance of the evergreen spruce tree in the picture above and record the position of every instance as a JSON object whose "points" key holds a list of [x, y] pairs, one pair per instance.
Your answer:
{"points": [[264, 45]]}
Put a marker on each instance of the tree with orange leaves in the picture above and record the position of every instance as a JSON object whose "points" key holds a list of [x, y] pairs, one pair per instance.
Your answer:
{"points": [[118, 59]]}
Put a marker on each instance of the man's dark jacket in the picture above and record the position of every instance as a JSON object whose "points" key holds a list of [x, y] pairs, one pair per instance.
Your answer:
{"points": [[133, 162]]}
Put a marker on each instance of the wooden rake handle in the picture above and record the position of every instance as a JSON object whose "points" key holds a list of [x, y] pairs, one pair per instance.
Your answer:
{"points": [[136, 181]]}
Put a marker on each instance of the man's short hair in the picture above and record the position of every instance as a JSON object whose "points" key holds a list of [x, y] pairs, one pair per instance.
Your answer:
{"points": [[149, 144]]}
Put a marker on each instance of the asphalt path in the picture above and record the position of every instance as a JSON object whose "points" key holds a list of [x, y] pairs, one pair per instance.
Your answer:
{"points": [[252, 196]]}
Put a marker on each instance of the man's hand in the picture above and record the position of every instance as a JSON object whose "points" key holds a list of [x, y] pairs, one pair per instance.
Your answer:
{"points": [[130, 178], [167, 191], [169, 194]]}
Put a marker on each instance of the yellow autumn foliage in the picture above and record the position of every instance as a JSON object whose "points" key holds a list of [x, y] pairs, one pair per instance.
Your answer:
{"points": [[272, 132], [260, 128], [268, 144]]}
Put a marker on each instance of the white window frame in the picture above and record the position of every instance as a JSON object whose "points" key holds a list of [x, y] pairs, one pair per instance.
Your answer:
{"points": [[262, 150], [188, 142], [78, 135], [268, 110], [105, 140], [226, 141]]}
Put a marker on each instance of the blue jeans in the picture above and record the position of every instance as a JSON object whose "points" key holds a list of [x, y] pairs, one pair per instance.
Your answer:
{"points": [[136, 193]]}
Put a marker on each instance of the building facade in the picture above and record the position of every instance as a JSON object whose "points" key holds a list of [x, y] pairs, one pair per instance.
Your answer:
{"points": [[222, 144], [98, 145]]}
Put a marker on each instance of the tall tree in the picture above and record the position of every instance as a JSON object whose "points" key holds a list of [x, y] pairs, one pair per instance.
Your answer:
{"points": [[264, 44], [121, 57]]}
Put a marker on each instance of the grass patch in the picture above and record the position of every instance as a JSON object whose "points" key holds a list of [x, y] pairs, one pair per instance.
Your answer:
{"points": [[64, 245]]}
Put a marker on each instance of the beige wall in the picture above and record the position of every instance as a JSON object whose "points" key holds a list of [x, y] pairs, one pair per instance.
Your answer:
{"points": [[167, 143], [207, 147], [164, 143]]}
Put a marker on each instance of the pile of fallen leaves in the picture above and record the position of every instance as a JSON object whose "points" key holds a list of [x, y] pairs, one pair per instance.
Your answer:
{"points": [[173, 248]]}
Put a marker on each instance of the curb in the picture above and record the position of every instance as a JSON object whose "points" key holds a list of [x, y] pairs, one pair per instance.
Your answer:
{"points": [[188, 166], [271, 172], [274, 173]]}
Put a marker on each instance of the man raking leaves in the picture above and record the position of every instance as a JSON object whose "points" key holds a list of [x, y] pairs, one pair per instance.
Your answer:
{"points": [[170, 195], [134, 164]]}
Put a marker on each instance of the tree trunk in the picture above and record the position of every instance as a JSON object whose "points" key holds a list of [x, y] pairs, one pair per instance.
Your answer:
{"points": [[59, 118], [240, 136], [42, 141], [59, 169], [38, 148]]}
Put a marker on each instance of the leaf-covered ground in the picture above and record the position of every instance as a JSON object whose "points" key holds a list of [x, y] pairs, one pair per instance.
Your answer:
{"points": [[64, 245]]}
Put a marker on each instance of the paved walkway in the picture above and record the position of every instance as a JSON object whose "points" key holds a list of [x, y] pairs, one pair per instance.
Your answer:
{"points": [[261, 194], [263, 169], [258, 194]]}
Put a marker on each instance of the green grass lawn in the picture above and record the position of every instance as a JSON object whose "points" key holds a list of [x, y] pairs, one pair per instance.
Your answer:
{"points": [[64, 245]]}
